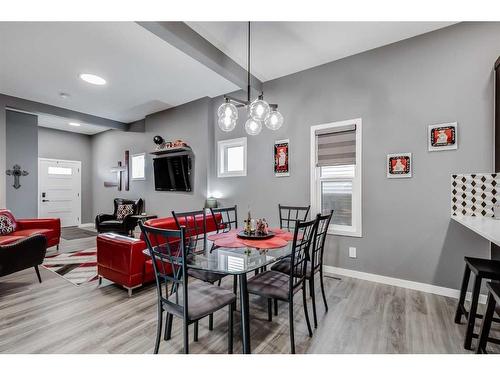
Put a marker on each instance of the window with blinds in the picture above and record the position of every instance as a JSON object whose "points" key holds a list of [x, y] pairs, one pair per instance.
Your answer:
{"points": [[336, 183]]}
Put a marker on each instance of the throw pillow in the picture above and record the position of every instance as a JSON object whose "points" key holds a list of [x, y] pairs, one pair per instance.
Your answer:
{"points": [[124, 210], [6, 225]]}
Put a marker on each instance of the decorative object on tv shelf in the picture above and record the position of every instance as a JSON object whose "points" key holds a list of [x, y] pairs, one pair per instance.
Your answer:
{"points": [[122, 174], [399, 165], [474, 194], [162, 145], [17, 173], [441, 137], [281, 158], [258, 110]]}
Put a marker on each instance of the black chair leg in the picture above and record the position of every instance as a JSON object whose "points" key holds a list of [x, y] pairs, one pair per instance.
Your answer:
{"points": [[158, 329], [486, 325], [211, 322], [270, 309], [472, 313], [186, 336], [306, 313], [195, 331], [322, 287], [235, 291], [275, 307], [230, 330], [290, 323], [168, 327], [463, 292], [38, 274], [313, 298]]}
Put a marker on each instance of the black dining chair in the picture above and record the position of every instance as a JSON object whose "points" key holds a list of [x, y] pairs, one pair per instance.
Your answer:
{"points": [[195, 223], [225, 218], [279, 286], [190, 302], [315, 266], [289, 215]]}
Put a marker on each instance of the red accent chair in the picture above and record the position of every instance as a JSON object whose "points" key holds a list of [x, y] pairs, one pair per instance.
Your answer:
{"points": [[121, 260], [50, 228]]}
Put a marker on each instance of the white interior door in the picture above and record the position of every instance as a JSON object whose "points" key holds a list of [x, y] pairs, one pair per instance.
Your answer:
{"points": [[59, 190]]}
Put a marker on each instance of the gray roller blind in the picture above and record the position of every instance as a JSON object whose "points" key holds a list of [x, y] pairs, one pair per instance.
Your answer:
{"points": [[336, 148]]}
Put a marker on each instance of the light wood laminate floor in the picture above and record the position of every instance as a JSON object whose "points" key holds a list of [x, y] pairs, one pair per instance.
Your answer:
{"points": [[364, 317]]}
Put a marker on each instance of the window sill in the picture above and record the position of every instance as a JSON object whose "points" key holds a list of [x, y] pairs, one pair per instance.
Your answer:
{"points": [[345, 233], [231, 175]]}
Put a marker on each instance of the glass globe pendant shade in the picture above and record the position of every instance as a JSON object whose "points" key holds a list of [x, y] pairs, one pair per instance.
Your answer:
{"points": [[226, 123], [274, 120], [253, 127], [227, 110], [259, 110]]}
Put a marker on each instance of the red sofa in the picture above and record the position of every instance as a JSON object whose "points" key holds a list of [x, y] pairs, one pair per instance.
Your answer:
{"points": [[121, 260], [50, 228]]}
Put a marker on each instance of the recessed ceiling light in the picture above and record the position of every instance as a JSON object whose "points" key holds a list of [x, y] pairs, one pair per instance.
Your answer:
{"points": [[74, 124], [93, 79]]}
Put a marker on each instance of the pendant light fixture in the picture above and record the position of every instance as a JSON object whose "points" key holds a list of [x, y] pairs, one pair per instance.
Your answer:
{"points": [[258, 111]]}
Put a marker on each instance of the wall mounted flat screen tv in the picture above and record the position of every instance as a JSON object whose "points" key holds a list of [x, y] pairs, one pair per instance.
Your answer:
{"points": [[172, 173]]}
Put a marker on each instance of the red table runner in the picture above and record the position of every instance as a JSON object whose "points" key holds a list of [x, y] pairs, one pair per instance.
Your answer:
{"points": [[230, 239]]}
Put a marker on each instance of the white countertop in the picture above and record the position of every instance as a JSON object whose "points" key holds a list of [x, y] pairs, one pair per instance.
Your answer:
{"points": [[486, 227]]}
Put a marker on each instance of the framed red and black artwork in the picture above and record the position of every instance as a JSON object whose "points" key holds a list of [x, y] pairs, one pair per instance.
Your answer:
{"points": [[281, 158], [443, 137], [399, 165]]}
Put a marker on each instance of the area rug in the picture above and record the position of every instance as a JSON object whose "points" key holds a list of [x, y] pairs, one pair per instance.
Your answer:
{"points": [[75, 233], [78, 267]]}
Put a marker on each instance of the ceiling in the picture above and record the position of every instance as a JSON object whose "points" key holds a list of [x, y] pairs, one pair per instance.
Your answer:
{"points": [[145, 74], [39, 60], [281, 48], [61, 123]]}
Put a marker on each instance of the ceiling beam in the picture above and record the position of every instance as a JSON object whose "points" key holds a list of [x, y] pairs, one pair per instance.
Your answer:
{"points": [[185, 39], [24, 105]]}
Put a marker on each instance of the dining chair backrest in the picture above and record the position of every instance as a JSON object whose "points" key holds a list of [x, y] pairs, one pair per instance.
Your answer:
{"points": [[289, 215], [196, 229], [318, 245], [168, 255], [303, 237], [225, 218]]}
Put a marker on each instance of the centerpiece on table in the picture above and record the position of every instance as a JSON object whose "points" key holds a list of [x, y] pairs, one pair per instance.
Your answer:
{"points": [[255, 229]]}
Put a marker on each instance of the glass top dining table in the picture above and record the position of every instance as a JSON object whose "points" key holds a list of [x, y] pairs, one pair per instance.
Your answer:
{"points": [[235, 261]]}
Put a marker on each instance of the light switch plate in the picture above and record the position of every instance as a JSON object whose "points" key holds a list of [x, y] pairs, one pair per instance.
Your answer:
{"points": [[352, 252]]}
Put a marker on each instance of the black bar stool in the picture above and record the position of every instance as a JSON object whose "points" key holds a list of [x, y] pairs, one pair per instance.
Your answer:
{"points": [[493, 302], [483, 269]]}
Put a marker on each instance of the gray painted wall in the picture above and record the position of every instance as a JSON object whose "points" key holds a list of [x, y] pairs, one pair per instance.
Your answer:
{"points": [[22, 149], [189, 122], [57, 144], [397, 90]]}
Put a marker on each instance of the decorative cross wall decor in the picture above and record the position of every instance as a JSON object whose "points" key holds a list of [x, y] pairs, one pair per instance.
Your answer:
{"points": [[17, 173]]}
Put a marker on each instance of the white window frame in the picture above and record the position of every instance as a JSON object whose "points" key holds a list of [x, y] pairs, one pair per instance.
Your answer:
{"points": [[354, 230], [221, 157], [132, 167]]}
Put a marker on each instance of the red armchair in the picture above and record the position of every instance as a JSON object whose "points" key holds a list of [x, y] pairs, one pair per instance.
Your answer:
{"points": [[49, 228], [121, 260]]}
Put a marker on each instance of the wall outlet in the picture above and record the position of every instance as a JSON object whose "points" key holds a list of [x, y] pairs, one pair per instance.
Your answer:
{"points": [[352, 252]]}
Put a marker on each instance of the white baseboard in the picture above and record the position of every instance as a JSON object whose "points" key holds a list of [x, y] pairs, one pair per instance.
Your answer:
{"points": [[427, 288], [86, 225]]}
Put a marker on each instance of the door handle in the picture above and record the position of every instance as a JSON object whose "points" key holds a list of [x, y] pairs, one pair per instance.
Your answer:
{"points": [[45, 200]]}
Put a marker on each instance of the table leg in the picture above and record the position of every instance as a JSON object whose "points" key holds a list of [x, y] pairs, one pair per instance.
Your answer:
{"points": [[245, 314]]}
